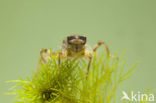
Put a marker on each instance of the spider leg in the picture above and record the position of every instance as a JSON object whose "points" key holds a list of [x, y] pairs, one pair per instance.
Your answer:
{"points": [[99, 44], [48, 53], [61, 54], [43, 59], [42, 56], [89, 63], [107, 49], [59, 59]]}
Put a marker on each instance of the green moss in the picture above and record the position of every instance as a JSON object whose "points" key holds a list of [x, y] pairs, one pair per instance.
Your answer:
{"points": [[68, 83]]}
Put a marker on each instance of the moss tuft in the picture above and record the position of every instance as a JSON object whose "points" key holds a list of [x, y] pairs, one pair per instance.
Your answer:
{"points": [[68, 83]]}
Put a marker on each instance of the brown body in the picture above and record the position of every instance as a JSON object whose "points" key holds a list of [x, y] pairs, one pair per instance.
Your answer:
{"points": [[75, 46]]}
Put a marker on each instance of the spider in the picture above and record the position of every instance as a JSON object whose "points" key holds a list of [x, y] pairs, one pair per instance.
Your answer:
{"points": [[74, 46]]}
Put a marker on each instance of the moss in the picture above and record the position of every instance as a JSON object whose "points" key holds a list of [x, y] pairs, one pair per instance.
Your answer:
{"points": [[68, 83]]}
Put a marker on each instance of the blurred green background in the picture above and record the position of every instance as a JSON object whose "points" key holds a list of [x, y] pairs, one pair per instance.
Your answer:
{"points": [[26, 26]]}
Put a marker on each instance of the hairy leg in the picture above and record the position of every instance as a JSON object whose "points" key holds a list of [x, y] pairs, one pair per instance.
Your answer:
{"points": [[59, 59], [107, 49], [89, 63], [44, 59], [47, 52], [99, 44]]}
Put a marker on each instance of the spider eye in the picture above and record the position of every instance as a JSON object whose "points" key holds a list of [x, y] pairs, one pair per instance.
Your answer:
{"points": [[69, 38], [83, 38]]}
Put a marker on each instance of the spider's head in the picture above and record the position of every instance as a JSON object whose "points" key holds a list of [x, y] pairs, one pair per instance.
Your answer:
{"points": [[76, 43]]}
